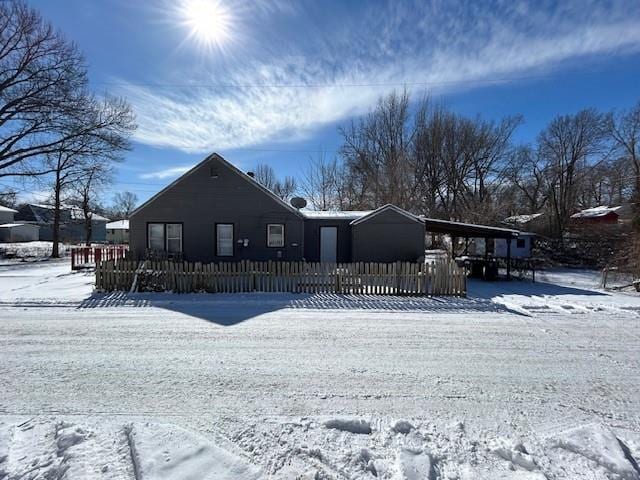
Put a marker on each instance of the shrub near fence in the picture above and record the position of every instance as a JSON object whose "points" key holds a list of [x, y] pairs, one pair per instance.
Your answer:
{"points": [[400, 278]]}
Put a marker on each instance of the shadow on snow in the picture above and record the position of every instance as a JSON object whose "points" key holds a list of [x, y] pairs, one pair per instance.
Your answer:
{"points": [[230, 309]]}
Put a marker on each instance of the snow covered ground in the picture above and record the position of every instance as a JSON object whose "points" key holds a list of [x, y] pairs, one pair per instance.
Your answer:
{"points": [[30, 250], [518, 381]]}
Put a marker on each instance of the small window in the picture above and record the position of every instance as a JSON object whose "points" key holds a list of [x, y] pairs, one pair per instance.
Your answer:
{"points": [[275, 235], [224, 239], [155, 235], [520, 243], [174, 237]]}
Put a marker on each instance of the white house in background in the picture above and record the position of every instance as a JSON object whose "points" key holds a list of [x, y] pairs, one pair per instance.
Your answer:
{"points": [[118, 231], [19, 232], [521, 247], [7, 214], [16, 232]]}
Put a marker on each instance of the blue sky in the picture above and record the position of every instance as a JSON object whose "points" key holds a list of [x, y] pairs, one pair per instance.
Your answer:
{"points": [[279, 79]]}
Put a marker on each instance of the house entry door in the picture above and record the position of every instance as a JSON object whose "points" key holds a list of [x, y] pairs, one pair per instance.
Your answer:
{"points": [[328, 244]]}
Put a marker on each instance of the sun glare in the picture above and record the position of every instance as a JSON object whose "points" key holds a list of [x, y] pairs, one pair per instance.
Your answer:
{"points": [[209, 22]]}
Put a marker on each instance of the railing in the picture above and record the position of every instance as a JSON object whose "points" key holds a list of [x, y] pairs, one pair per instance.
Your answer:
{"points": [[84, 257], [400, 278]]}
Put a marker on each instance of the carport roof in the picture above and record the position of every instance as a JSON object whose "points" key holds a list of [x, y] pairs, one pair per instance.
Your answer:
{"points": [[467, 230]]}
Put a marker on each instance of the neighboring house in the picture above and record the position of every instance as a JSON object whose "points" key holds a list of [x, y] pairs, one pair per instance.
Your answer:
{"points": [[19, 232], [530, 222], [521, 247], [118, 231], [7, 214], [72, 222], [216, 213], [602, 215]]}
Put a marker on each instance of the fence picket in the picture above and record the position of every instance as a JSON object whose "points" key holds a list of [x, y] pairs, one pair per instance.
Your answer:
{"points": [[442, 277]]}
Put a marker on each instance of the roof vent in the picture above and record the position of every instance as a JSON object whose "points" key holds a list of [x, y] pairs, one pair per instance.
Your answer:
{"points": [[251, 174]]}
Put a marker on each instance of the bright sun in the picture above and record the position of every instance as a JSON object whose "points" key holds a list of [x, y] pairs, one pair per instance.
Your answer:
{"points": [[209, 22]]}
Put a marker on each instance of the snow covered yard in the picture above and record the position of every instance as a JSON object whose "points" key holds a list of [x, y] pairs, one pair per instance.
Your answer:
{"points": [[518, 381]]}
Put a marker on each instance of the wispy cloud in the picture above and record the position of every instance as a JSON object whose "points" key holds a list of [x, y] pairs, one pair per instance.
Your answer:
{"points": [[336, 70], [166, 173]]}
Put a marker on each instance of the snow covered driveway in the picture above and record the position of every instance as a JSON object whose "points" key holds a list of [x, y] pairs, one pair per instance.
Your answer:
{"points": [[518, 381]]}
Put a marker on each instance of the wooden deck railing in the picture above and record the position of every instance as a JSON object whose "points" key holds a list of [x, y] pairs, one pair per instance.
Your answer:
{"points": [[83, 257], [400, 278]]}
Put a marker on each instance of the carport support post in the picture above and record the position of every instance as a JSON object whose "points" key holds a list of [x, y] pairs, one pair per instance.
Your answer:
{"points": [[453, 246], [508, 258]]}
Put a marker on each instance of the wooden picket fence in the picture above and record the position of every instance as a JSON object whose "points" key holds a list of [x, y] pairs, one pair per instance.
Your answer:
{"points": [[401, 278], [83, 257]]}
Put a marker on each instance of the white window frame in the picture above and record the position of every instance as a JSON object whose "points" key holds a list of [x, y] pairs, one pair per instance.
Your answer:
{"points": [[269, 241], [167, 238], [164, 237], [218, 225]]}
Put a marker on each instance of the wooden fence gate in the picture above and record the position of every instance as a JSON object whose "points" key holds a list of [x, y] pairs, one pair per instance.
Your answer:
{"points": [[400, 278]]}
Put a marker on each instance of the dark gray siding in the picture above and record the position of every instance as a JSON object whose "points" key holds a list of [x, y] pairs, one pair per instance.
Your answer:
{"points": [[200, 201], [387, 237], [312, 239], [74, 232]]}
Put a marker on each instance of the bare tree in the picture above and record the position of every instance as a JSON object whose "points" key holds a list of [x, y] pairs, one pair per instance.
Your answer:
{"points": [[570, 146], [376, 151], [123, 204], [624, 128], [105, 126], [322, 184], [266, 176], [286, 188], [42, 88], [524, 172], [92, 179]]}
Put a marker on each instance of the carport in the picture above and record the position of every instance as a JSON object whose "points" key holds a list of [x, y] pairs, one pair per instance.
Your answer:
{"points": [[470, 230]]}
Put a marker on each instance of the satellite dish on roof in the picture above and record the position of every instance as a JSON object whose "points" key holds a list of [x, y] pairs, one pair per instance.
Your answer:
{"points": [[298, 202]]}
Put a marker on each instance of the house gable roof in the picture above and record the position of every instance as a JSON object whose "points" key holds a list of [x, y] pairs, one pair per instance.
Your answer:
{"points": [[596, 212], [385, 208], [7, 209], [234, 169]]}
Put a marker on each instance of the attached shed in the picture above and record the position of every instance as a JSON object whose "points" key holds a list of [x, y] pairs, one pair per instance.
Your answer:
{"points": [[388, 234], [521, 247], [19, 232]]}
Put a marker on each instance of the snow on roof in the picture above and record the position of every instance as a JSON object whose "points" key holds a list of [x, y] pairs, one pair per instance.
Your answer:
{"points": [[9, 225], [522, 218], [596, 212], [335, 214], [7, 209], [118, 225]]}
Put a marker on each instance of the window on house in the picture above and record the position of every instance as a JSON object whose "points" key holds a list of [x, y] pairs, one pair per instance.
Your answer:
{"points": [[155, 236], [520, 243], [174, 237], [275, 235], [165, 237], [224, 239]]}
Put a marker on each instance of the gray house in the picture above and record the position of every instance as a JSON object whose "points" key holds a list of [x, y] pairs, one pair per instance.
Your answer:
{"points": [[72, 222], [215, 213]]}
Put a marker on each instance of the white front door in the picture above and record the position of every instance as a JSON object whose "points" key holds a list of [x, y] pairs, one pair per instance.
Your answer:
{"points": [[328, 244]]}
